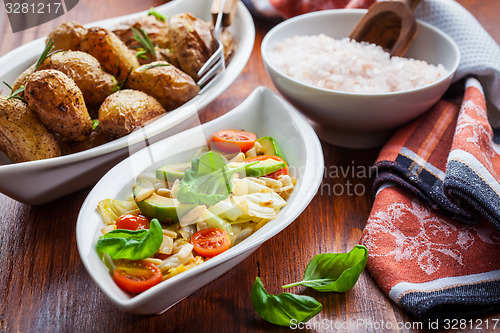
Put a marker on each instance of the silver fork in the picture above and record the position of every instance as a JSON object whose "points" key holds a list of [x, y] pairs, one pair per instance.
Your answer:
{"points": [[215, 65]]}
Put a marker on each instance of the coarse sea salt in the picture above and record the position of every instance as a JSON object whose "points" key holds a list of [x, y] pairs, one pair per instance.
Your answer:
{"points": [[349, 66]]}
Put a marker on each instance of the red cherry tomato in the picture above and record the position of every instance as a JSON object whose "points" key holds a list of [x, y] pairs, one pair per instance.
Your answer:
{"points": [[210, 242], [136, 276], [275, 174], [230, 140], [132, 222]]}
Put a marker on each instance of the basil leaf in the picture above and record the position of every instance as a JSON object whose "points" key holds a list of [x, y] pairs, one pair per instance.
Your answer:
{"points": [[132, 244], [337, 272], [208, 181], [283, 308]]}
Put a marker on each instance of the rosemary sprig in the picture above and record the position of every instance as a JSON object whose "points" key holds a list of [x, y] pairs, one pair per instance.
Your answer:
{"points": [[95, 123], [119, 85], [115, 85], [149, 66], [17, 94], [159, 17], [141, 53], [142, 37], [45, 54]]}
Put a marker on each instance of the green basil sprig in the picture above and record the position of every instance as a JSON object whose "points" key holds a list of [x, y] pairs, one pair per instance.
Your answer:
{"points": [[337, 272], [208, 181], [132, 244], [283, 308]]}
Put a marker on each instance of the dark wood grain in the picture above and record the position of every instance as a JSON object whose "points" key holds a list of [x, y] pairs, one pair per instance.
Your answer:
{"points": [[45, 288]]}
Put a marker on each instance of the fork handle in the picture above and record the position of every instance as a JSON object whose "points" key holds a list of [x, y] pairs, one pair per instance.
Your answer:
{"points": [[228, 12]]}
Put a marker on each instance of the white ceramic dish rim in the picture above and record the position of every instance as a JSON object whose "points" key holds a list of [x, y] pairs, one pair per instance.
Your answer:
{"points": [[171, 119], [290, 212], [294, 20]]}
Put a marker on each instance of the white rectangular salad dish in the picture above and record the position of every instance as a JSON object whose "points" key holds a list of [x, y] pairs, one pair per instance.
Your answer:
{"points": [[42, 181], [263, 113]]}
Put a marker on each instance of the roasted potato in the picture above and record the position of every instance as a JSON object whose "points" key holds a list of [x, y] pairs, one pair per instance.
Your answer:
{"points": [[22, 136], [160, 55], [157, 31], [97, 138], [192, 42], [169, 85], [59, 104], [147, 57], [87, 73], [168, 56], [228, 44], [110, 51], [126, 110], [67, 36], [23, 78]]}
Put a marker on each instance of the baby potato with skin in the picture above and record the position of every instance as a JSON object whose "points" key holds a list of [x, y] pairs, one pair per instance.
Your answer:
{"points": [[126, 110], [59, 104], [113, 55], [22, 136], [67, 36], [192, 42], [168, 84], [157, 31], [87, 73], [23, 78], [97, 138]]}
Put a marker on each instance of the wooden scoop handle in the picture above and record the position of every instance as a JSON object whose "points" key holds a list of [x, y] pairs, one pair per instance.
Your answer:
{"points": [[412, 4], [390, 24], [228, 12]]}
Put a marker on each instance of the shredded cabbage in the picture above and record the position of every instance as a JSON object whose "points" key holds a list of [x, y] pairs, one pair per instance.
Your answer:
{"points": [[246, 186], [227, 209], [247, 207], [111, 209]]}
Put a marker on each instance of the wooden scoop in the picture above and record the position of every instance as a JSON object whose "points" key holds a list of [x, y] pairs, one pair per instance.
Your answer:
{"points": [[390, 24]]}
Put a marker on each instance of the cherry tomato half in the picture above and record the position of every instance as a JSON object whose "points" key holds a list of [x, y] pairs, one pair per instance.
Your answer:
{"points": [[210, 242], [228, 140], [136, 276], [132, 222], [275, 174]]}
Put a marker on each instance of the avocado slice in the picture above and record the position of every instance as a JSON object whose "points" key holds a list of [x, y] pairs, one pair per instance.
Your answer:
{"points": [[264, 168], [162, 208], [270, 146], [172, 172]]}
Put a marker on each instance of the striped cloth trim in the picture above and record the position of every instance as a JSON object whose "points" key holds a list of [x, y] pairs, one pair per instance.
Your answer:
{"points": [[422, 163], [467, 160], [465, 301], [401, 289]]}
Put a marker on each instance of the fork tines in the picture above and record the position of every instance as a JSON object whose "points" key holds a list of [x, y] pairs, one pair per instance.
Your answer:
{"points": [[216, 63], [213, 64]]}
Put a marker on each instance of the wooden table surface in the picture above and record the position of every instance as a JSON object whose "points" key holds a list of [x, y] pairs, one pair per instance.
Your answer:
{"points": [[45, 287]]}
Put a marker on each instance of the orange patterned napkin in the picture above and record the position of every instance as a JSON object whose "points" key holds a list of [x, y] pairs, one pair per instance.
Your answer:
{"points": [[441, 169]]}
